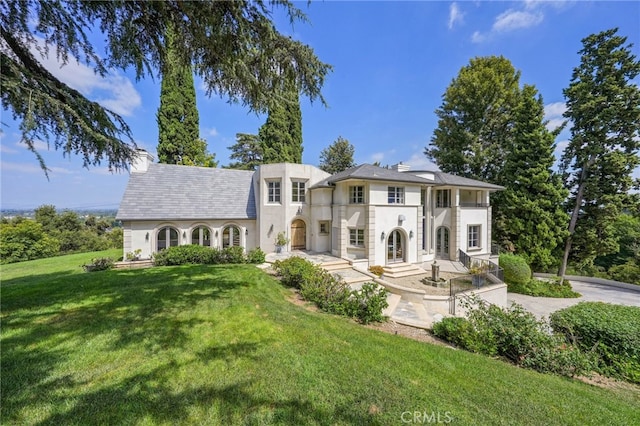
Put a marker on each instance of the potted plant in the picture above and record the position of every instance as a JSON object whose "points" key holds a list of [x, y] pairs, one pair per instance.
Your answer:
{"points": [[478, 271], [281, 242]]}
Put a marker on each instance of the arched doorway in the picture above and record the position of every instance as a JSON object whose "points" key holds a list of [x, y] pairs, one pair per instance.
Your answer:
{"points": [[298, 235], [395, 247], [442, 242], [167, 237]]}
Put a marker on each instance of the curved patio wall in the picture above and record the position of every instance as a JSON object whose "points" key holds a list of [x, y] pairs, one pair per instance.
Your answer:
{"points": [[593, 280], [439, 304]]}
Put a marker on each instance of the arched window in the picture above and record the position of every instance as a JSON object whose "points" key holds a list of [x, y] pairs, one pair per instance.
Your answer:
{"points": [[167, 237], [230, 236], [201, 235]]}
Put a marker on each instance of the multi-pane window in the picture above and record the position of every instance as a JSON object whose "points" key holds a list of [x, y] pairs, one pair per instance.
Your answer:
{"points": [[443, 198], [396, 195], [324, 228], [201, 236], [230, 236], [356, 194], [273, 189], [297, 193], [473, 236], [167, 237], [356, 237]]}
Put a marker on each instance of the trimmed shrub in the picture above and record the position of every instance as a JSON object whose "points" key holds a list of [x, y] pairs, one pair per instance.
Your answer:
{"points": [[295, 271], [188, 254], [233, 255], [368, 303], [611, 331], [516, 269], [515, 334], [329, 293], [256, 256], [546, 287], [99, 264], [377, 270], [627, 273]]}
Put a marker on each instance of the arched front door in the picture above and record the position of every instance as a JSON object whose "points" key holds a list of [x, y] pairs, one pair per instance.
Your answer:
{"points": [[395, 244], [298, 235], [442, 243]]}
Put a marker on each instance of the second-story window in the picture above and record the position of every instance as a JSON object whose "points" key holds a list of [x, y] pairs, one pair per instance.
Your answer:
{"points": [[443, 198], [298, 193], [396, 195], [356, 194], [273, 188]]}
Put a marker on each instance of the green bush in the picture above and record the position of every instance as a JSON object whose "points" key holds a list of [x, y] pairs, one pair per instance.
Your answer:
{"points": [[188, 254], [627, 273], [330, 293], [24, 239], [516, 269], [99, 264], [547, 287], [256, 256], [368, 303], [611, 331], [233, 255], [515, 334], [295, 271]]}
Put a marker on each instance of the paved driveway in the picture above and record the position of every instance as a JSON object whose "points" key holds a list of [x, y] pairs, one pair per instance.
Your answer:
{"points": [[544, 306]]}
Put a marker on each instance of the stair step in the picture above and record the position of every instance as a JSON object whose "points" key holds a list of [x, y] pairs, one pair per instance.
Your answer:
{"points": [[404, 273], [392, 300], [335, 266]]}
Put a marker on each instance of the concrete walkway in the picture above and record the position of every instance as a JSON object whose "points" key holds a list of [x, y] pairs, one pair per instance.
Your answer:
{"points": [[542, 307]]}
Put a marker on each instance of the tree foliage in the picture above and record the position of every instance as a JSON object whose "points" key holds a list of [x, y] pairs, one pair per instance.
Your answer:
{"points": [[247, 150], [603, 105], [338, 156], [178, 119], [23, 239], [529, 214], [234, 47], [281, 135], [475, 119]]}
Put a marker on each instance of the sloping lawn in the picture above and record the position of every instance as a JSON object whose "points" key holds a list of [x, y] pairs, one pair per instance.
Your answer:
{"points": [[222, 345]]}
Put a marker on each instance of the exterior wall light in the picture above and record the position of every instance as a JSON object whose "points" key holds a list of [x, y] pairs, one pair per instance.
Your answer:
{"points": [[146, 237], [382, 236], [410, 234]]}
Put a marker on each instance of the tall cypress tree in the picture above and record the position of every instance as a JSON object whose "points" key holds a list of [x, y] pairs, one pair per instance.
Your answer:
{"points": [[178, 119], [603, 104], [281, 134], [529, 214]]}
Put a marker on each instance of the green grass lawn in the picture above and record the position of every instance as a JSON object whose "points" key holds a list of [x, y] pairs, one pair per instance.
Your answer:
{"points": [[222, 345]]}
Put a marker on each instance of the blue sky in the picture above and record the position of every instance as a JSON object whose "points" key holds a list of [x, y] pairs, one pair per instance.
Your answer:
{"points": [[392, 63]]}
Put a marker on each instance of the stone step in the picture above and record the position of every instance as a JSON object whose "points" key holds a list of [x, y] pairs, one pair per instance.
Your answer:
{"points": [[407, 273], [335, 266], [398, 270], [392, 300], [133, 264]]}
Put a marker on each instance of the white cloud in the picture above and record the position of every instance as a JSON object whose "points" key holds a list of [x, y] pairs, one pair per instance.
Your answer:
{"points": [[516, 19], [7, 150], [553, 114], [455, 15], [377, 157], [560, 147], [20, 167], [478, 37], [212, 132], [114, 92], [37, 144], [419, 161]]}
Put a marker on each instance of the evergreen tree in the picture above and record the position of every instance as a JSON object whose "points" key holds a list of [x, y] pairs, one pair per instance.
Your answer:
{"points": [[247, 150], [337, 157], [178, 119], [529, 214], [281, 134], [475, 119], [217, 36], [603, 104]]}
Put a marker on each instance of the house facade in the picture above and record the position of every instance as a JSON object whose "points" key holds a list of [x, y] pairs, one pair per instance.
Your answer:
{"points": [[367, 214]]}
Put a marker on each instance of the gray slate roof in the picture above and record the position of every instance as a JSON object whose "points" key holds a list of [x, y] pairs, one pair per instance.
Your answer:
{"points": [[370, 172], [171, 192]]}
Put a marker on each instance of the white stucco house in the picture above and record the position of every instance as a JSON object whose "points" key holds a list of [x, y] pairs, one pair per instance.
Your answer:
{"points": [[366, 214]]}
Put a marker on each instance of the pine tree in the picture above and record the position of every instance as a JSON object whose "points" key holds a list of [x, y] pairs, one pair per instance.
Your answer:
{"points": [[218, 36], [337, 157], [474, 120], [178, 119], [281, 134], [247, 150], [603, 104], [529, 214]]}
